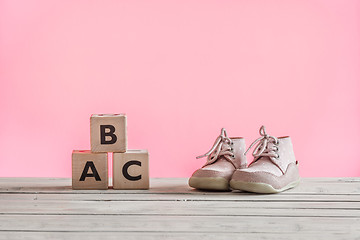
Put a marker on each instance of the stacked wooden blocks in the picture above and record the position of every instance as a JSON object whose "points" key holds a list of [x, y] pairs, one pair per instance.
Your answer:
{"points": [[90, 168]]}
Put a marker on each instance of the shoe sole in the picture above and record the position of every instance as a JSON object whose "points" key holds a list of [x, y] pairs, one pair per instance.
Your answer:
{"points": [[260, 187], [209, 183]]}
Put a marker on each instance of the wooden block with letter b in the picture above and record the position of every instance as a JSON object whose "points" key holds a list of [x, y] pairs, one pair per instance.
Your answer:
{"points": [[89, 170], [131, 170], [108, 133]]}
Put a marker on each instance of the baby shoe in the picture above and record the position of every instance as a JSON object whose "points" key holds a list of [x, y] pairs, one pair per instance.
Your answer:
{"points": [[225, 156], [274, 168]]}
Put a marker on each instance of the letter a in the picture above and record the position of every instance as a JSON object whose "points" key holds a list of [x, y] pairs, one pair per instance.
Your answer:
{"points": [[85, 174]]}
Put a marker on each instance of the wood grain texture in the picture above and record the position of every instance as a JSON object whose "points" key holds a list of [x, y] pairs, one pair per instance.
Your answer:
{"points": [[172, 235], [131, 170], [49, 209], [115, 132], [89, 170]]}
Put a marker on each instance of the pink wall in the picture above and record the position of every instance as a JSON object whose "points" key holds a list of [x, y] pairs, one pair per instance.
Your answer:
{"points": [[181, 70]]}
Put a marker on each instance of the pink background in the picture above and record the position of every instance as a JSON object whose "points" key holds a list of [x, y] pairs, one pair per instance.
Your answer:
{"points": [[181, 70]]}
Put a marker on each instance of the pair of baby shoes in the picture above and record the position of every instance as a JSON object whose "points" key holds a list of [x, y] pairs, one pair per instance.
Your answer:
{"points": [[274, 168]]}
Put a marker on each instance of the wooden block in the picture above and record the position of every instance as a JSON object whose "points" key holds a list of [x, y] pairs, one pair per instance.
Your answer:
{"points": [[131, 170], [89, 170], [108, 133]]}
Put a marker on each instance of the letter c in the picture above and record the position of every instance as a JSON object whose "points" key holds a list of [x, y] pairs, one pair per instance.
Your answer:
{"points": [[125, 170]]}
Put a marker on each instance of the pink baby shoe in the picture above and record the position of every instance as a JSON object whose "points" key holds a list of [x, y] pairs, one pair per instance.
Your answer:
{"points": [[274, 168], [225, 156]]}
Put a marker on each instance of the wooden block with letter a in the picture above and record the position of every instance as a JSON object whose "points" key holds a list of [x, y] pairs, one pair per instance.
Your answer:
{"points": [[89, 170], [131, 170], [108, 133]]}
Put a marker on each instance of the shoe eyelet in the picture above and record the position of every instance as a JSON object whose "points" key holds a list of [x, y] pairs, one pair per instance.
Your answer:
{"points": [[232, 143], [231, 149], [233, 156], [278, 156]]}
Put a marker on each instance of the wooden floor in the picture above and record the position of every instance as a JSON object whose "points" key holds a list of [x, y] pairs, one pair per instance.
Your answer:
{"points": [[319, 208]]}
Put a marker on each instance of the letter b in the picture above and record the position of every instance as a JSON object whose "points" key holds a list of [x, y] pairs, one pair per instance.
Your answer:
{"points": [[110, 133]]}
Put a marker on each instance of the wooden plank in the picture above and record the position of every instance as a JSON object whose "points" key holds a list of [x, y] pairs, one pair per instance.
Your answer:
{"points": [[182, 208], [195, 224], [165, 186], [183, 197], [48, 208], [164, 180], [173, 235]]}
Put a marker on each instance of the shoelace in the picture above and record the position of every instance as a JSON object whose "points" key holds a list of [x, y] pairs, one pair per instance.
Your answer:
{"points": [[221, 147], [264, 149]]}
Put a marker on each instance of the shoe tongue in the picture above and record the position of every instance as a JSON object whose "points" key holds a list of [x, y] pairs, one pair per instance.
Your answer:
{"points": [[265, 164], [220, 165], [238, 152]]}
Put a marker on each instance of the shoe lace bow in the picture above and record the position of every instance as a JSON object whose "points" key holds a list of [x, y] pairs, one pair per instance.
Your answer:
{"points": [[221, 147], [266, 145]]}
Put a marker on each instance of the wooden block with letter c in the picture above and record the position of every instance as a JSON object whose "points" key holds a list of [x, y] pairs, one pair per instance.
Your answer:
{"points": [[131, 170]]}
